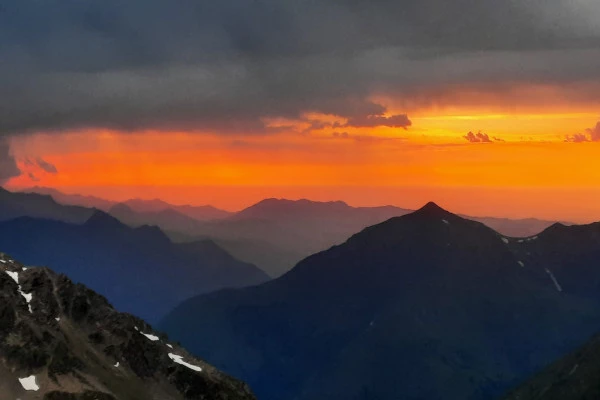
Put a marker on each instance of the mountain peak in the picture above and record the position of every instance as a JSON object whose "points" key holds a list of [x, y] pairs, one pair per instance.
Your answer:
{"points": [[152, 233], [267, 207], [432, 209], [104, 220], [121, 207]]}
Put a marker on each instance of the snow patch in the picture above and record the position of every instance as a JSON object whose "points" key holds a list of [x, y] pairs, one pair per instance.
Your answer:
{"points": [[117, 365], [29, 383], [521, 241], [57, 319], [169, 346], [558, 287], [150, 337], [3, 262], [505, 240], [521, 263], [28, 296], [179, 360], [13, 275], [446, 221]]}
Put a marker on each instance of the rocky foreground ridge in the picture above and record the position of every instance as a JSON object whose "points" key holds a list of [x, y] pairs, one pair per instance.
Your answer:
{"points": [[62, 341]]}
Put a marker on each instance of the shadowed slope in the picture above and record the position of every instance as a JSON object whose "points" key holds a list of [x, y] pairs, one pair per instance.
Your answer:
{"points": [[424, 306]]}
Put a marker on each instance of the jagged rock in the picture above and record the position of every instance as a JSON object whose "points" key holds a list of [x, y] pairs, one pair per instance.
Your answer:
{"points": [[71, 344]]}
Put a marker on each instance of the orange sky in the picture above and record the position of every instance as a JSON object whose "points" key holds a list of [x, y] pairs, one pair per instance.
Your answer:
{"points": [[532, 172]]}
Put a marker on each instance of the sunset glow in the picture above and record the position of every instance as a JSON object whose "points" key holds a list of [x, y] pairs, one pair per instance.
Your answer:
{"points": [[515, 175], [496, 114]]}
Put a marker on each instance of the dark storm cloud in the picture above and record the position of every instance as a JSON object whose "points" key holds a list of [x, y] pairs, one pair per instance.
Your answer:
{"points": [[370, 121], [8, 165], [478, 137], [226, 65]]}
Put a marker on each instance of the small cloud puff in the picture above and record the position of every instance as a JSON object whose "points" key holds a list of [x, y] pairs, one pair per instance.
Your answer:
{"points": [[594, 132], [577, 138], [590, 135], [478, 137]]}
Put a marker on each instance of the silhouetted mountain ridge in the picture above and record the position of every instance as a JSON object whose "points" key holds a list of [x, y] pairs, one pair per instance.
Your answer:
{"points": [[14, 205], [428, 305], [102, 220], [270, 207], [139, 269], [275, 234]]}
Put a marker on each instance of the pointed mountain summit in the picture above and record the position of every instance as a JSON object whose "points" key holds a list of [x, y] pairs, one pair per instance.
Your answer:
{"points": [[428, 305], [101, 220], [60, 340], [431, 209], [433, 213]]}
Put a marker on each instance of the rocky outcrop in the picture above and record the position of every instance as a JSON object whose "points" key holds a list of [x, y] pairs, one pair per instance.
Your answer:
{"points": [[62, 341]]}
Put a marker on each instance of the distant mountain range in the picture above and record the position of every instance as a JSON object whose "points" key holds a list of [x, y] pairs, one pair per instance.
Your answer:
{"points": [[428, 306], [15, 204], [62, 341], [139, 269], [201, 213], [277, 233], [274, 234], [72, 199]]}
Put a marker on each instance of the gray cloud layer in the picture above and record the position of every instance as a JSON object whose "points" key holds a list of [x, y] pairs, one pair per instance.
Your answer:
{"points": [[225, 65], [46, 166], [8, 165]]}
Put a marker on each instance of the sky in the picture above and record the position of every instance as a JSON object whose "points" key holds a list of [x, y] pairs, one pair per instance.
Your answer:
{"points": [[487, 107]]}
